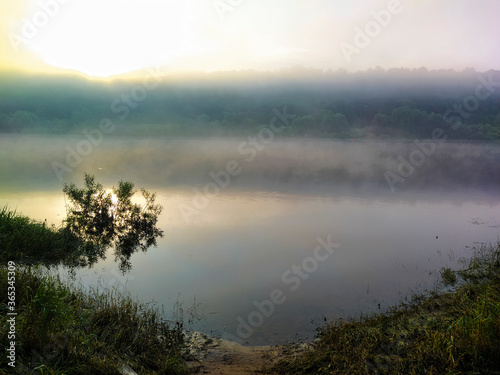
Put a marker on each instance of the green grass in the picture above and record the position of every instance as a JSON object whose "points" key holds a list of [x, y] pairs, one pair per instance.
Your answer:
{"points": [[64, 331], [449, 277], [31, 242], [451, 333], [61, 330]]}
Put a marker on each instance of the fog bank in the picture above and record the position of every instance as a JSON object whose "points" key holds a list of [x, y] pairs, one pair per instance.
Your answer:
{"points": [[33, 163]]}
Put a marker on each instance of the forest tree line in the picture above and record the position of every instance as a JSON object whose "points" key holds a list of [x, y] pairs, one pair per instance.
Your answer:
{"points": [[376, 104]]}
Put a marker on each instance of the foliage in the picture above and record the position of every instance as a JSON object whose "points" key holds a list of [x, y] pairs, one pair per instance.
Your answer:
{"points": [[60, 330], [392, 104], [95, 218], [30, 242], [95, 222], [449, 277], [64, 331]]}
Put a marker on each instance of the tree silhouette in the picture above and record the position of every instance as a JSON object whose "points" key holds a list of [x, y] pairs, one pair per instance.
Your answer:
{"points": [[100, 219]]}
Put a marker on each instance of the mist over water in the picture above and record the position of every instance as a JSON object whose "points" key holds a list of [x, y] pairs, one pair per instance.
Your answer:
{"points": [[28, 163], [243, 241]]}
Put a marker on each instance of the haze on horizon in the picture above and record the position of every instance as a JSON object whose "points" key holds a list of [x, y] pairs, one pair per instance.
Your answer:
{"points": [[112, 37]]}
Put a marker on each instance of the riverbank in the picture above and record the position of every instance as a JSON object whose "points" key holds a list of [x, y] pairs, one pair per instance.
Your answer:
{"points": [[211, 355], [439, 333], [453, 330], [51, 328]]}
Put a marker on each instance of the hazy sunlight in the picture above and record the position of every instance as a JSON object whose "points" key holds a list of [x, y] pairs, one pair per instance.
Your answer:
{"points": [[103, 38]]}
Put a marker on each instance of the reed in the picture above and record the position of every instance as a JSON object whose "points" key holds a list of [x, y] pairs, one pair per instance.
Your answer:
{"points": [[436, 333]]}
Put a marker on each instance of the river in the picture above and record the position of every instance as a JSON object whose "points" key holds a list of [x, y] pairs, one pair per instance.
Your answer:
{"points": [[263, 242]]}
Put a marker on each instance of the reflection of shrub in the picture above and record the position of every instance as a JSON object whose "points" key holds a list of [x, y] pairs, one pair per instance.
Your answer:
{"points": [[105, 219], [96, 220]]}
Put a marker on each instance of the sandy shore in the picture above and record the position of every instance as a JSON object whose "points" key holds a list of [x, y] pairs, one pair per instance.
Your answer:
{"points": [[218, 356]]}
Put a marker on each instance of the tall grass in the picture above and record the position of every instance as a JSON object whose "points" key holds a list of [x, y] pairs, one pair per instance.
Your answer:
{"points": [[30, 241], [452, 333], [61, 330], [64, 331]]}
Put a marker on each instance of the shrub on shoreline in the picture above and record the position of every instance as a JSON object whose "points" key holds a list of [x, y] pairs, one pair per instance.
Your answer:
{"points": [[62, 330]]}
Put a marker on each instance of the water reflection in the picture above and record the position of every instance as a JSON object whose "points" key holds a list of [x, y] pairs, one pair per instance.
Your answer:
{"points": [[237, 250]]}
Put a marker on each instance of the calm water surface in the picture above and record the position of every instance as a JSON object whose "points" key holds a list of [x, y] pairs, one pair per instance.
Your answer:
{"points": [[237, 260]]}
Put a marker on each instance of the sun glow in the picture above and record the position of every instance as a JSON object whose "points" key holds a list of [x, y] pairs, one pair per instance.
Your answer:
{"points": [[109, 37], [104, 38]]}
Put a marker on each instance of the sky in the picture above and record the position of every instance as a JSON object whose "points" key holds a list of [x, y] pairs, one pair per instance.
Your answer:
{"points": [[102, 38]]}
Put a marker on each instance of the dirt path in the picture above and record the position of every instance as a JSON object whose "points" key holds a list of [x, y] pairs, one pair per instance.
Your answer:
{"points": [[222, 357]]}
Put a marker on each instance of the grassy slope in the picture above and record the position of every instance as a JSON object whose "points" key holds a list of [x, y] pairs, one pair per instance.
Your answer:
{"points": [[452, 333], [22, 238], [64, 331]]}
